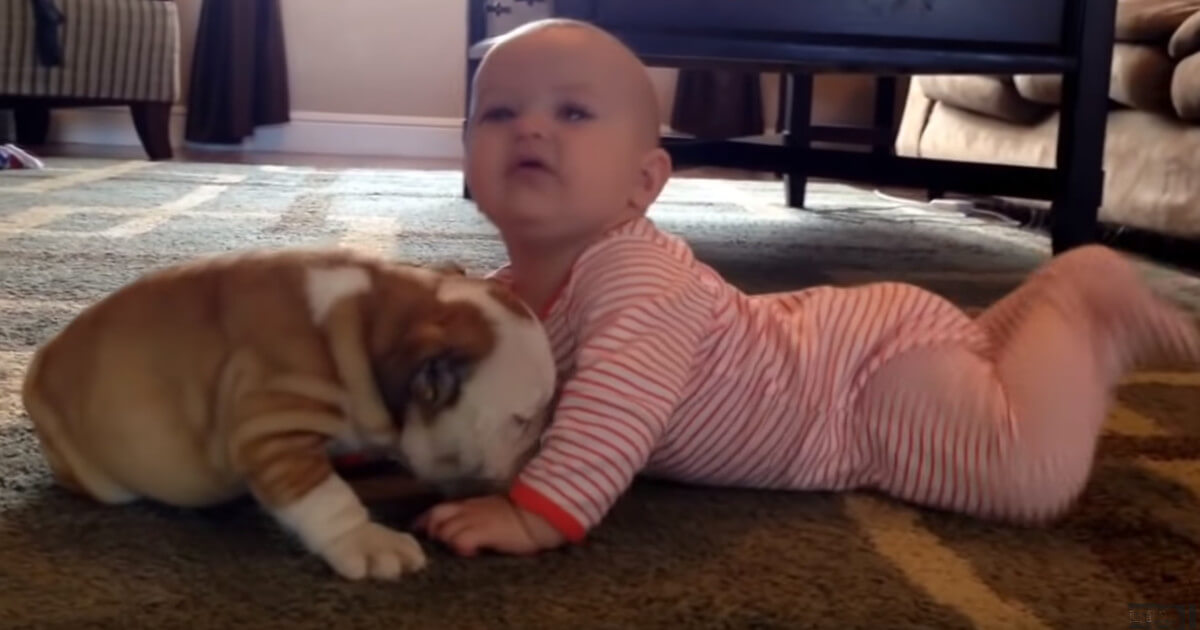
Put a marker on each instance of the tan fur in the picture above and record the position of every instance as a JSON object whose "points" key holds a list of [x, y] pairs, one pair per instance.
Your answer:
{"points": [[197, 383], [449, 267], [439, 327], [509, 300]]}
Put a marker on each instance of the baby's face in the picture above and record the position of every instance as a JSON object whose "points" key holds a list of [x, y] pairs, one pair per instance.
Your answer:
{"points": [[556, 138]]}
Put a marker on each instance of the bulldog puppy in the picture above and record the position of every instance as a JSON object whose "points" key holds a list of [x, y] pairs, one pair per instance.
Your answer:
{"points": [[247, 373]]}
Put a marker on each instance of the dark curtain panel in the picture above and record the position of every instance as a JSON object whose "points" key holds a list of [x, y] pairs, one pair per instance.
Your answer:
{"points": [[718, 104], [239, 71]]}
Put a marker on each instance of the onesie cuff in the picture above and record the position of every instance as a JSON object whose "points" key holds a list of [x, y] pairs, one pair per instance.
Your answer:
{"points": [[527, 498]]}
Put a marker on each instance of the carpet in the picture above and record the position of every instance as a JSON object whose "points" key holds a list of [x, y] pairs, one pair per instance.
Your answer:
{"points": [[668, 556]]}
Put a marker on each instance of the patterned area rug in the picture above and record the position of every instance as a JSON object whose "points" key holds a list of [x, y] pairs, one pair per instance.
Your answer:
{"points": [[668, 556]]}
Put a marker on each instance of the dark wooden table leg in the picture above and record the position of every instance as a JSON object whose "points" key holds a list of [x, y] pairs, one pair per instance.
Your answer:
{"points": [[33, 123], [798, 135], [153, 124], [885, 115], [1082, 127]]}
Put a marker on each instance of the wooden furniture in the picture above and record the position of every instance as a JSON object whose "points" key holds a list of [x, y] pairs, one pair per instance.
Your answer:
{"points": [[117, 52], [888, 37]]}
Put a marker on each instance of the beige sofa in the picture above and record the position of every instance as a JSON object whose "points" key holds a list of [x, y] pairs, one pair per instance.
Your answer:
{"points": [[1152, 148]]}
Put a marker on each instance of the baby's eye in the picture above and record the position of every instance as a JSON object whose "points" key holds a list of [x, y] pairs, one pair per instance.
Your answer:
{"points": [[574, 113], [497, 113]]}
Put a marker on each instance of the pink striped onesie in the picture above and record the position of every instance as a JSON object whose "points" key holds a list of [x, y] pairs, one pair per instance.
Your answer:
{"points": [[669, 371]]}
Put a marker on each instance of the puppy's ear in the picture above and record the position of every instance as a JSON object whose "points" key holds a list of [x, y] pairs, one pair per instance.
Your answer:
{"points": [[427, 364]]}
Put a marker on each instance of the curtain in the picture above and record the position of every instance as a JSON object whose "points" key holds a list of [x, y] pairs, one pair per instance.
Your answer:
{"points": [[239, 71], [718, 104]]}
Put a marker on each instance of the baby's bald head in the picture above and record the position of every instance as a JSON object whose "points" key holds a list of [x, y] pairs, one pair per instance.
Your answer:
{"points": [[563, 134], [620, 68]]}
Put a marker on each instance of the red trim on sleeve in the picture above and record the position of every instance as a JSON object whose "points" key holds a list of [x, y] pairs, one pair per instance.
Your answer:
{"points": [[544, 312], [526, 498]]}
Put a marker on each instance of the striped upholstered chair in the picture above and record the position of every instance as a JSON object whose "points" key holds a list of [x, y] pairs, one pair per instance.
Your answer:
{"points": [[72, 53]]}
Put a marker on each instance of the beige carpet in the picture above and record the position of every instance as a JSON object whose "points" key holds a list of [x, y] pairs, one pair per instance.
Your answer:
{"points": [[668, 556]]}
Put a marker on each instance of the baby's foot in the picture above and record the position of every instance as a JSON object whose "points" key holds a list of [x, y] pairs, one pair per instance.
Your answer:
{"points": [[1138, 328]]}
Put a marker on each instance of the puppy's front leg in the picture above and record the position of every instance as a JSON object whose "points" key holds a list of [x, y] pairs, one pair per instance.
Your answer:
{"points": [[332, 522], [280, 448]]}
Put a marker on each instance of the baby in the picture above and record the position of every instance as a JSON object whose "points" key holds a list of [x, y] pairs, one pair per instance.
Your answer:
{"points": [[669, 371]]}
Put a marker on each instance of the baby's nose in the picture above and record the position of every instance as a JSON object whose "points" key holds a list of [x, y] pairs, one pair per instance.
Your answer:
{"points": [[532, 124]]}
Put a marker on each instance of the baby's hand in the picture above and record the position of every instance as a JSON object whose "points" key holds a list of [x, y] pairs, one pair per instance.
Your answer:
{"points": [[490, 522]]}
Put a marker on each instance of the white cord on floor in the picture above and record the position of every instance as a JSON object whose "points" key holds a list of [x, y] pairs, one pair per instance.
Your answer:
{"points": [[961, 207]]}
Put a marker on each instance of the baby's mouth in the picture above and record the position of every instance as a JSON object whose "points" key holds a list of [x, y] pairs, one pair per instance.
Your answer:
{"points": [[530, 165]]}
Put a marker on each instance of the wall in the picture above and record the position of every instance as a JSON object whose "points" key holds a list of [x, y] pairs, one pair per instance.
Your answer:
{"points": [[347, 57], [349, 73], [351, 61]]}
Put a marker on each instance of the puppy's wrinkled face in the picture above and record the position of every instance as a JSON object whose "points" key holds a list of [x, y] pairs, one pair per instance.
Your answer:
{"points": [[474, 417]]}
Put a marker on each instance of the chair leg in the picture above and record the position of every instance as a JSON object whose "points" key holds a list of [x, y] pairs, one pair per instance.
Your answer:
{"points": [[153, 124], [33, 124], [798, 136], [885, 115]]}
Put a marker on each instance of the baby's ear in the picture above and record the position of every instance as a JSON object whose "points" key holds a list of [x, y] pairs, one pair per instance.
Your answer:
{"points": [[653, 174]]}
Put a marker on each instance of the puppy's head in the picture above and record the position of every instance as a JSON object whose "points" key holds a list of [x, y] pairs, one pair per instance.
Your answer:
{"points": [[470, 382]]}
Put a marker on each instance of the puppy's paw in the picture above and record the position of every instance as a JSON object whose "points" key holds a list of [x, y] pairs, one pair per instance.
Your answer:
{"points": [[372, 550]]}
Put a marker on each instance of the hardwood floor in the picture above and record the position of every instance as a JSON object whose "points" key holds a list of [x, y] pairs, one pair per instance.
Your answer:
{"points": [[189, 154], [317, 160]]}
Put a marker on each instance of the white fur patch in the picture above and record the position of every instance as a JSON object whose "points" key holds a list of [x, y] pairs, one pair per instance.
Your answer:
{"points": [[515, 381], [327, 512], [326, 286]]}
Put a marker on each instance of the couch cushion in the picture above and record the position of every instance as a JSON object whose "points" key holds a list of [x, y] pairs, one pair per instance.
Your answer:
{"points": [[912, 121], [1149, 161], [988, 95], [1186, 39], [1040, 88], [1141, 77], [1185, 88], [1152, 21]]}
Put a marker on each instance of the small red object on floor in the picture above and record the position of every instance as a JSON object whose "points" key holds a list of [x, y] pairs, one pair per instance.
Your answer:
{"points": [[14, 157], [351, 460]]}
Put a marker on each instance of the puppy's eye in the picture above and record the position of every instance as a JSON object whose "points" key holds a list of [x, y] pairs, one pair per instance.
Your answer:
{"points": [[438, 381]]}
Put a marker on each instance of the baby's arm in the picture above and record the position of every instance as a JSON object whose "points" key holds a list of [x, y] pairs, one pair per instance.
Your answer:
{"points": [[641, 323]]}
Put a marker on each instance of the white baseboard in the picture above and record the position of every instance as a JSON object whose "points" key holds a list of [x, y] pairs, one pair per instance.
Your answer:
{"points": [[308, 132]]}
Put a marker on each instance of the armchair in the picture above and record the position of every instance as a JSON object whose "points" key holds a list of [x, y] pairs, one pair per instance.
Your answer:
{"points": [[73, 53]]}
